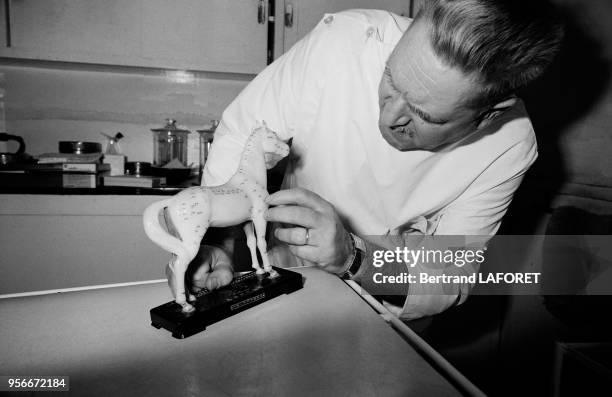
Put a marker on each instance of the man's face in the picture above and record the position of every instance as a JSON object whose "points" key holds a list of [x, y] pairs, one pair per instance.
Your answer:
{"points": [[423, 101]]}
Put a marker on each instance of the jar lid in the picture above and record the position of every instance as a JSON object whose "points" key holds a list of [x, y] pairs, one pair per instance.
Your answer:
{"points": [[170, 128], [211, 128]]}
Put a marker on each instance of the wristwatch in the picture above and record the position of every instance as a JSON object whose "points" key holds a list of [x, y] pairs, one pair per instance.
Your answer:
{"points": [[354, 261]]}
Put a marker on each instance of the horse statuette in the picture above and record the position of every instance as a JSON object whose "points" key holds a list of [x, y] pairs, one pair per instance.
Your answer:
{"points": [[193, 210]]}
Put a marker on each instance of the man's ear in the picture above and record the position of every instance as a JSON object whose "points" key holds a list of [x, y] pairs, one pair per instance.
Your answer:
{"points": [[491, 113]]}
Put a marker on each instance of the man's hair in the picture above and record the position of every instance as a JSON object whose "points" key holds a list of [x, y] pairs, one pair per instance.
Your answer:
{"points": [[505, 43]]}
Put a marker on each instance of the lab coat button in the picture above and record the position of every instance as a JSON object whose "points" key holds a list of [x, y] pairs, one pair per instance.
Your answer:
{"points": [[370, 31], [329, 19]]}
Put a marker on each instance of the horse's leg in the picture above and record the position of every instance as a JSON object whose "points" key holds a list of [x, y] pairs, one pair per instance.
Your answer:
{"points": [[250, 239], [188, 218], [178, 266], [260, 230], [193, 249]]}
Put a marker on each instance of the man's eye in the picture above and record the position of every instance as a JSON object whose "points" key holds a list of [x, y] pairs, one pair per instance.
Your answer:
{"points": [[428, 120], [435, 122]]}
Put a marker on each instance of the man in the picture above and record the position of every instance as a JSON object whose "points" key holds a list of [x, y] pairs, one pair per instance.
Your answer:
{"points": [[398, 128]]}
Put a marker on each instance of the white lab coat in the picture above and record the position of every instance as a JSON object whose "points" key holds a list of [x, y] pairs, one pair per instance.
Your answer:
{"points": [[323, 93]]}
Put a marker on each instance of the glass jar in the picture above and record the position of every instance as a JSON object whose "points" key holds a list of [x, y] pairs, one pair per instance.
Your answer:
{"points": [[170, 146], [206, 139]]}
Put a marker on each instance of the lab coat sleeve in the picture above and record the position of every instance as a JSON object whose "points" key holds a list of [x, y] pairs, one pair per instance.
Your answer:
{"points": [[272, 97], [477, 213], [481, 207]]}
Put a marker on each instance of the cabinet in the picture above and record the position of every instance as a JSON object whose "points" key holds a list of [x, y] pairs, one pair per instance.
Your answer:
{"points": [[54, 241], [307, 13], [207, 35], [211, 35]]}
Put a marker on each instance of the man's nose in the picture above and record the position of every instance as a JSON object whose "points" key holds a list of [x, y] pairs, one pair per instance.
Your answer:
{"points": [[394, 113]]}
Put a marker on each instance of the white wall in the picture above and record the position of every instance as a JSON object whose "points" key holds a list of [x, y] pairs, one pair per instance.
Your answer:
{"points": [[47, 102]]}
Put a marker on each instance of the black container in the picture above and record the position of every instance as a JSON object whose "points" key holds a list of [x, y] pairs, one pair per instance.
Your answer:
{"points": [[79, 147], [173, 176], [138, 168]]}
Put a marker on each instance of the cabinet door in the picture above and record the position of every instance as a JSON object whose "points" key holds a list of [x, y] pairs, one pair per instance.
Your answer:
{"points": [[218, 35], [307, 13], [74, 30], [179, 34], [50, 242]]}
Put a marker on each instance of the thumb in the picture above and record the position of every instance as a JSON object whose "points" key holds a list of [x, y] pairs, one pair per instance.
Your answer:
{"points": [[201, 274], [222, 275]]}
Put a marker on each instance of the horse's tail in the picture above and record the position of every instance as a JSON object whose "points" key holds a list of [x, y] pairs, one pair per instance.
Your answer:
{"points": [[156, 232]]}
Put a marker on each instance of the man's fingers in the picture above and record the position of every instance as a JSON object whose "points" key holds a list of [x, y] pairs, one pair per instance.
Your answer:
{"points": [[224, 273], [305, 252], [201, 274], [221, 276], [294, 215], [301, 197], [294, 235], [212, 269]]}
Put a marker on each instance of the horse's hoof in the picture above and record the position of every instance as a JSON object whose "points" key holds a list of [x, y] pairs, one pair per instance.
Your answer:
{"points": [[273, 273], [187, 308], [260, 271], [191, 298]]}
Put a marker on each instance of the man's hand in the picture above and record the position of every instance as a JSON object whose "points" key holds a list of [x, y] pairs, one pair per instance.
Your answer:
{"points": [[210, 269], [317, 234]]}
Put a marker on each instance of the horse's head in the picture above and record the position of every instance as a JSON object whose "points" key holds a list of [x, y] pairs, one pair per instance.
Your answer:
{"points": [[274, 148], [263, 150]]}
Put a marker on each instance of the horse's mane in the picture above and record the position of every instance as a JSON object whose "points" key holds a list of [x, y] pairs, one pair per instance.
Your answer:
{"points": [[249, 148]]}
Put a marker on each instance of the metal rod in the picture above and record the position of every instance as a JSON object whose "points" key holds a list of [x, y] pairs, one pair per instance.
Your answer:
{"points": [[84, 288], [417, 342]]}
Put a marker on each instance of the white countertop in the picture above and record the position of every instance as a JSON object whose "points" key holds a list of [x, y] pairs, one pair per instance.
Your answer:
{"points": [[321, 340]]}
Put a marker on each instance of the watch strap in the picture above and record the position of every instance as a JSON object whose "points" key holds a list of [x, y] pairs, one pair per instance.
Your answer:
{"points": [[356, 258]]}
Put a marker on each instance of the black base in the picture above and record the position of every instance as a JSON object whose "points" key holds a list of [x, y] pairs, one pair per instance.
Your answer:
{"points": [[244, 292]]}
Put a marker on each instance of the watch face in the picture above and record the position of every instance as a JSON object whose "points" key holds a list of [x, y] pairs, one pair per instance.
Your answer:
{"points": [[359, 243]]}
